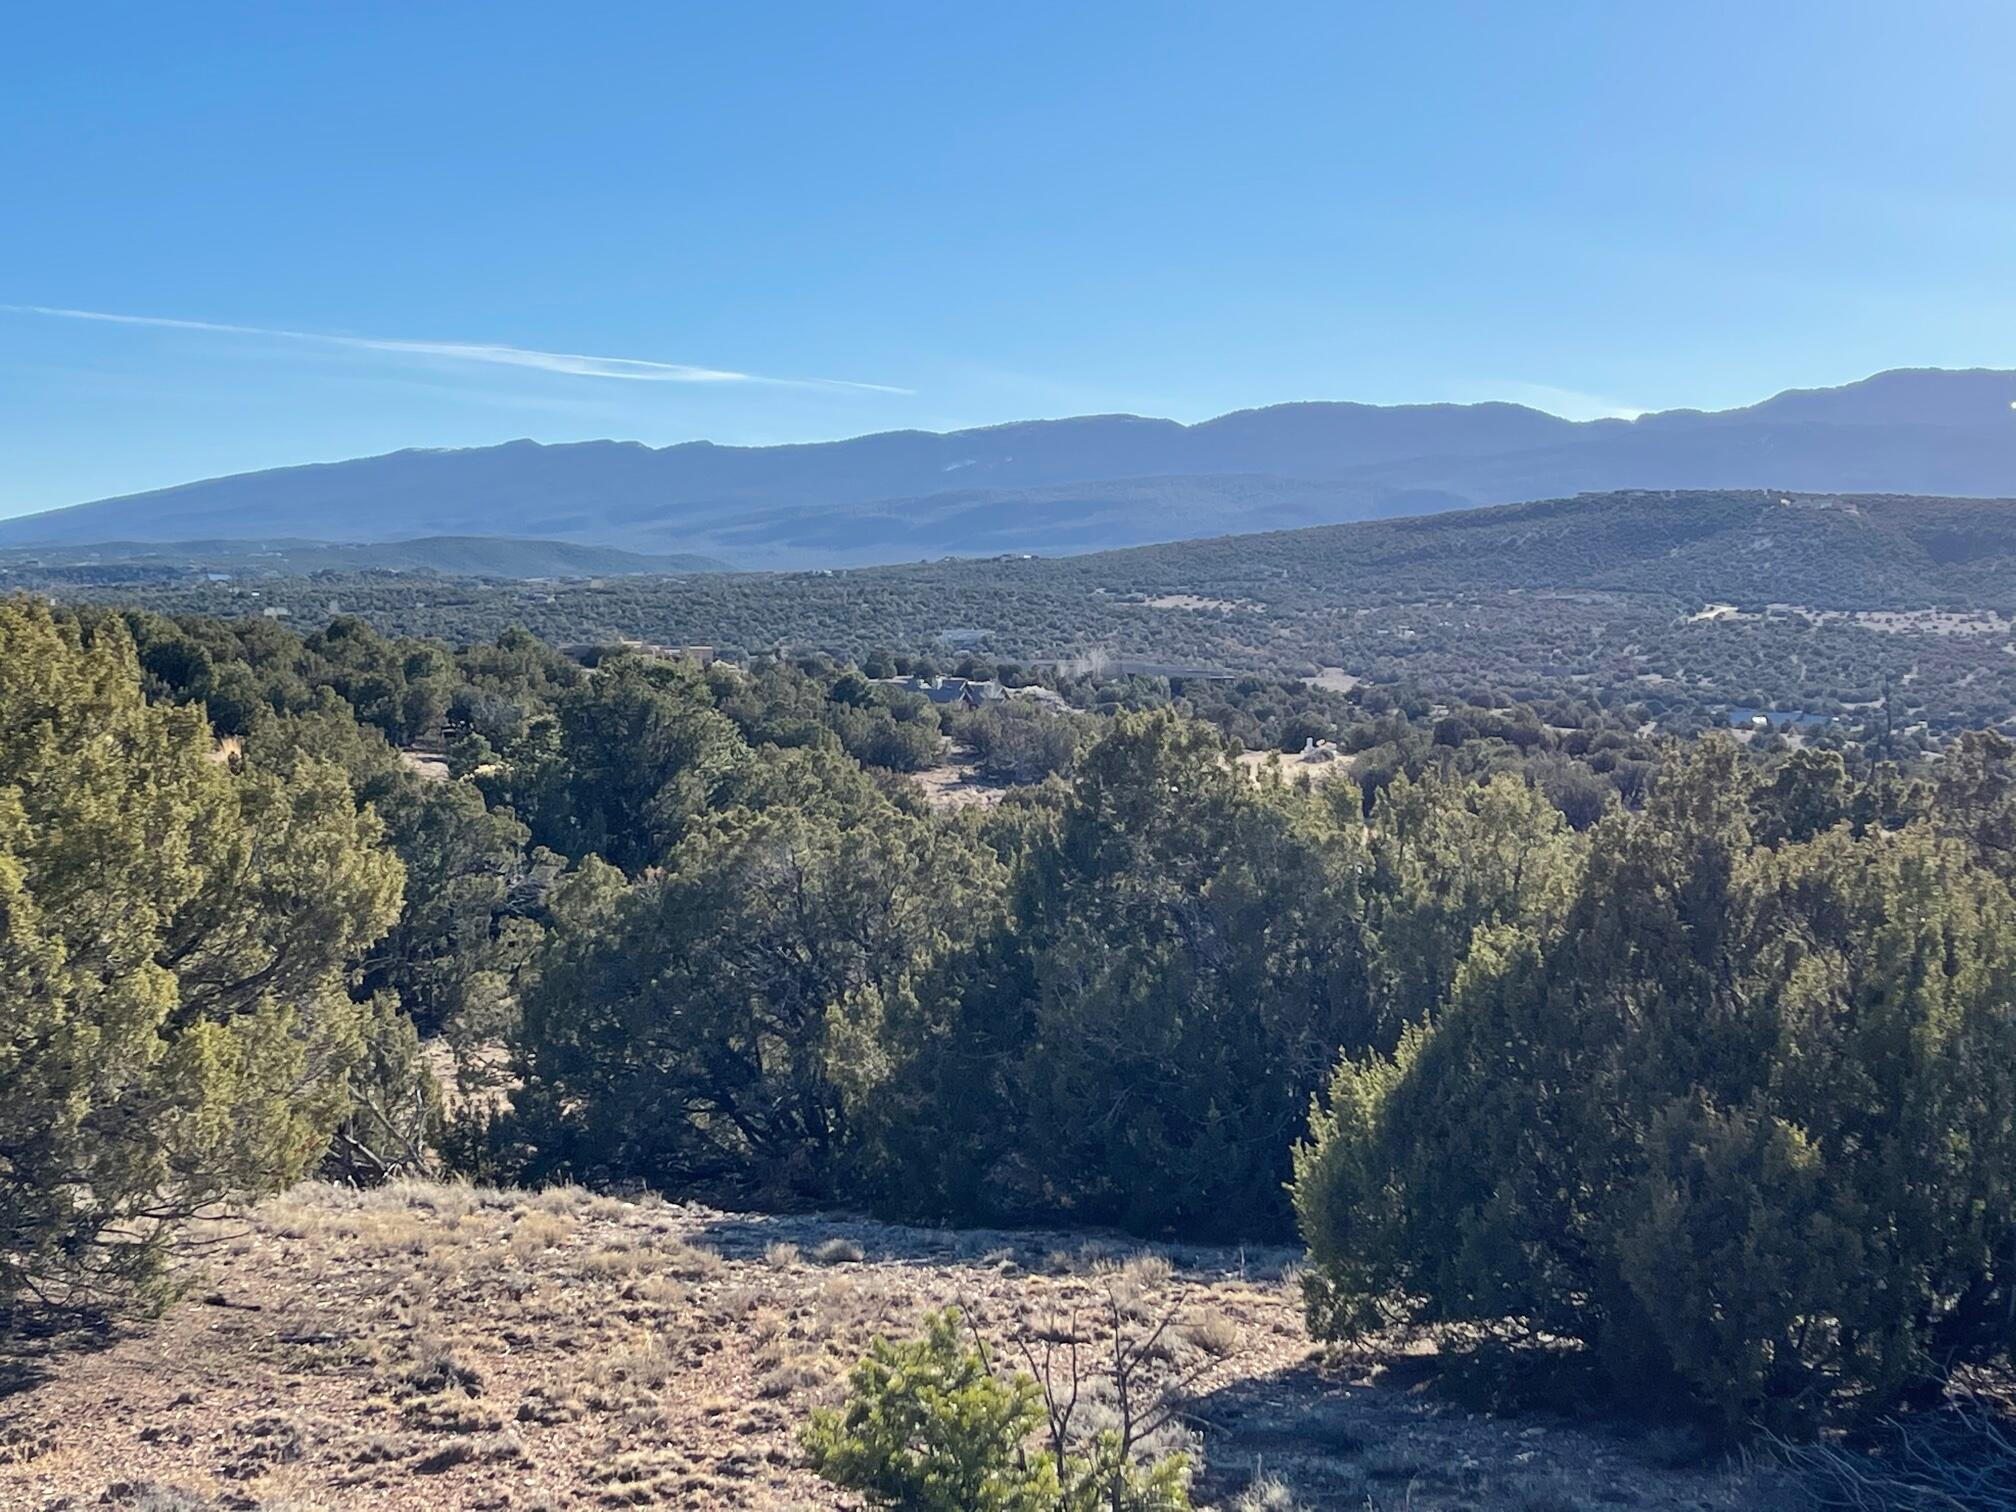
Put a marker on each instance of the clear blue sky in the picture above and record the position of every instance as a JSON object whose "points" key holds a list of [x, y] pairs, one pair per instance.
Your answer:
{"points": [[992, 212]]}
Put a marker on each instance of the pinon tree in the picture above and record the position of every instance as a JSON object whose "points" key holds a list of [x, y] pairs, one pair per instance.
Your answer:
{"points": [[678, 1029], [1740, 1121], [175, 1028], [1193, 954]]}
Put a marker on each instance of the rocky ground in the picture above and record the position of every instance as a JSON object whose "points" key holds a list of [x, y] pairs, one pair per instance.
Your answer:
{"points": [[438, 1346]]}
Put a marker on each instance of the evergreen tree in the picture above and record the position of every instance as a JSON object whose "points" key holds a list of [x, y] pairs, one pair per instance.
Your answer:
{"points": [[678, 1029], [174, 1025], [1742, 1121], [1195, 957]]}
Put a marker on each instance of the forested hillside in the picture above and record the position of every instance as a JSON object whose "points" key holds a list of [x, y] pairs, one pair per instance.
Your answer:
{"points": [[1878, 612]]}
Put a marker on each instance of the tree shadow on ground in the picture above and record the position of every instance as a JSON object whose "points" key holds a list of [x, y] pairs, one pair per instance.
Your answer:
{"points": [[741, 1236], [1397, 1436], [35, 1341], [1291, 1427]]}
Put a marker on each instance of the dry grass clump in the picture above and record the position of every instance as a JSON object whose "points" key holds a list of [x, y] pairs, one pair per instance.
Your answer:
{"points": [[444, 1199], [1150, 1272], [534, 1231], [1130, 1286], [298, 1216], [781, 1256], [837, 1252], [565, 1199], [449, 1414], [613, 1262], [650, 1365], [641, 1477], [273, 1436], [437, 1367], [658, 1290], [1266, 1495], [850, 1310], [378, 1449], [490, 1448], [688, 1262], [1210, 1330], [545, 1404], [802, 1374]]}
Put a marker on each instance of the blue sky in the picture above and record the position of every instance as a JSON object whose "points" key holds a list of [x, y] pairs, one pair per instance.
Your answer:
{"points": [[795, 222]]}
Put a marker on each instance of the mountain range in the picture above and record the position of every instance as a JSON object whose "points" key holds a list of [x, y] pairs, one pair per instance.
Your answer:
{"points": [[1088, 483]]}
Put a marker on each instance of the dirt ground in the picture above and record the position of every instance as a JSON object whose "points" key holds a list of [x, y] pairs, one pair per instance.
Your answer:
{"points": [[434, 1346], [1295, 768], [957, 785]]}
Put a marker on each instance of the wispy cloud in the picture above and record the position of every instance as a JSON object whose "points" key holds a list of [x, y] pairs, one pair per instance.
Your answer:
{"points": [[1569, 404], [572, 364]]}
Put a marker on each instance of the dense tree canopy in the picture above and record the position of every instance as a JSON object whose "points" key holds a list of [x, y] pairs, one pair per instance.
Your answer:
{"points": [[679, 1027], [1741, 1118]]}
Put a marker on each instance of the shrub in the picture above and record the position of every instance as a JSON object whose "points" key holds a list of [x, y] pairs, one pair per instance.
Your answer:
{"points": [[1183, 954], [1190, 955], [1020, 743], [1742, 1124], [930, 1426]]}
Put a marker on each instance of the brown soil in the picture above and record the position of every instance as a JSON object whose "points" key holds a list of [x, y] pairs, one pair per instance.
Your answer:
{"points": [[957, 785], [433, 1346], [1294, 768]]}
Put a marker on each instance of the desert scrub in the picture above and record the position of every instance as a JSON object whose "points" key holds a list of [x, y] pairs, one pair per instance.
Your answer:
{"points": [[930, 1425]]}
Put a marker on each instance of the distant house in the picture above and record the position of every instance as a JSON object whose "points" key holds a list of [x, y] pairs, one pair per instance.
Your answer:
{"points": [[965, 691]]}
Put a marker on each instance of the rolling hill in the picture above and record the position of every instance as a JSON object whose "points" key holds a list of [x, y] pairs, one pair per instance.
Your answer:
{"points": [[1091, 483], [1689, 603]]}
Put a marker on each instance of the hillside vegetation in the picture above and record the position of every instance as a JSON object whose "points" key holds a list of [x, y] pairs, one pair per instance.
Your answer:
{"points": [[1590, 1065], [1877, 610]]}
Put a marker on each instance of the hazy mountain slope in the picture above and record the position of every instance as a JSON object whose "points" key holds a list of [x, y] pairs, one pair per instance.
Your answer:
{"points": [[455, 556], [1092, 482], [1059, 518]]}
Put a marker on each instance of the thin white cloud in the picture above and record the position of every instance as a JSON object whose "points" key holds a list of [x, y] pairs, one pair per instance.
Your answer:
{"points": [[573, 364], [1569, 404]]}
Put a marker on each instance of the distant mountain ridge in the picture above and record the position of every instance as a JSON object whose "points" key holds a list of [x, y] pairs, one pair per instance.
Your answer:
{"points": [[1089, 483]]}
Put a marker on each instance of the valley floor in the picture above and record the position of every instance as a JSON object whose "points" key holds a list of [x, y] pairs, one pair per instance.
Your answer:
{"points": [[436, 1346]]}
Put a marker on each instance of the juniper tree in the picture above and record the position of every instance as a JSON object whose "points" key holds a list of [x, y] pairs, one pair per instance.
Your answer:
{"points": [[175, 1028]]}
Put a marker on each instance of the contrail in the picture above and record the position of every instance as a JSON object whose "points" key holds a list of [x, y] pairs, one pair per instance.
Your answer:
{"points": [[573, 364]]}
